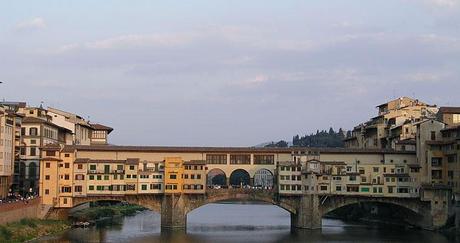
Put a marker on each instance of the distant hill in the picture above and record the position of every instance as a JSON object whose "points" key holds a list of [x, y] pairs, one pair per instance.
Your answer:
{"points": [[322, 138]]}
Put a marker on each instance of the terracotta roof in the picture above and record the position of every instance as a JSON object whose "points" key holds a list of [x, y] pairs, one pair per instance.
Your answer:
{"points": [[97, 126], [28, 119], [414, 166], [195, 162], [115, 148], [407, 141], [51, 147], [454, 127], [132, 161], [82, 160], [396, 175], [449, 110], [50, 159], [333, 162], [440, 142]]}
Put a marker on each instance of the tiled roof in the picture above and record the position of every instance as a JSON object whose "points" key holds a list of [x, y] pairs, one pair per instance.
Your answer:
{"points": [[97, 126], [114, 148], [446, 109]]}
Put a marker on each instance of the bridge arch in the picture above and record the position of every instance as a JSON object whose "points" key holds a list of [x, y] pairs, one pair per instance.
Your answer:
{"points": [[411, 209], [240, 177], [264, 178], [150, 202], [242, 195], [216, 176]]}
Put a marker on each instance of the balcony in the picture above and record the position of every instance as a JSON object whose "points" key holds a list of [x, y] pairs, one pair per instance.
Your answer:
{"points": [[118, 171]]}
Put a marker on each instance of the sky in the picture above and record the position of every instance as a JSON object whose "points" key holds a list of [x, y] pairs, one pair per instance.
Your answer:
{"points": [[227, 73]]}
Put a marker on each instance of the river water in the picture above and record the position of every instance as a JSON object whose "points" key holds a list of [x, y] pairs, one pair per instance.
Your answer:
{"points": [[239, 223]]}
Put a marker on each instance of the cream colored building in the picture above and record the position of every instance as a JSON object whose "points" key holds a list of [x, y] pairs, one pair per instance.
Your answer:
{"points": [[395, 122]]}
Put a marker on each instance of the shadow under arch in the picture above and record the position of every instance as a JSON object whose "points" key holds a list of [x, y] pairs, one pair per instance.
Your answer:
{"points": [[242, 195], [216, 176], [239, 178], [151, 202], [390, 210]]}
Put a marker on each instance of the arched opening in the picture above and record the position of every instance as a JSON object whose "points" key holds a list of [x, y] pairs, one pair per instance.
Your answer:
{"points": [[263, 178], [386, 212], [239, 217], [240, 178], [216, 178]]}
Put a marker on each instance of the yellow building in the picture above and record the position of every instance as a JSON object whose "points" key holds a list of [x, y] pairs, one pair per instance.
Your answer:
{"points": [[173, 175]]}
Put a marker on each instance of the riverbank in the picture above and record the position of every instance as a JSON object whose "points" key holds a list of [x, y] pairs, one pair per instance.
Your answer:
{"points": [[28, 229], [95, 213]]}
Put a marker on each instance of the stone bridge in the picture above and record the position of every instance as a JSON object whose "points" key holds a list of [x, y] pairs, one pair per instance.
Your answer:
{"points": [[306, 210]]}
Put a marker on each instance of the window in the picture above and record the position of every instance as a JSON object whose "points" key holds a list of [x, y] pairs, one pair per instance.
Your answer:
{"points": [[33, 151], [376, 169], [216, 159], [364, 189], [131, 167], [240, 159], [67, 165], [80, 166], [323, 188], [264, 159], [143, 187], [338, 188], [47, 165], [33, 131], [99, 177], [47, 191], [80, 177], [66, 189], [92, 167], [78, 189], [91, 188], [67, 155], [433, 135], [66, 177], [173, 176], [50, 153], [436, 161], [47, 177], [106, 177], [106, 169]]}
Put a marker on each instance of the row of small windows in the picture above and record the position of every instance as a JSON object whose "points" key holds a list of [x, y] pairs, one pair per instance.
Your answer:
{"points": [[290, 168], [291, 187], [290, 177], [193, 187], [192, 176], [240, 159]]}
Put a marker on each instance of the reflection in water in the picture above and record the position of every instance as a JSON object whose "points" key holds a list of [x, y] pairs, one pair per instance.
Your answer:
{"points": [[238, 223]]}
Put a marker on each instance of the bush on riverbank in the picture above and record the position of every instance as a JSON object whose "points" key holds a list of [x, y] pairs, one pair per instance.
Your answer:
{"points": [[95, 213], [27, 229]]}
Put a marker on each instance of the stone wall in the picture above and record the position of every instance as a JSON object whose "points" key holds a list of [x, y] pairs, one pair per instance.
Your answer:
{"points": [[12, 212]]}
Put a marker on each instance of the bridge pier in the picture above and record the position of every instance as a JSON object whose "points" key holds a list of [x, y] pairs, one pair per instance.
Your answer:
{"points": [[173, 212], [307, 215]]}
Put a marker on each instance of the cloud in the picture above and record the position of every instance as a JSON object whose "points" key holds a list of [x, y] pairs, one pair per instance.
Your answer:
{"points": [[31, 24], [444, 3]]}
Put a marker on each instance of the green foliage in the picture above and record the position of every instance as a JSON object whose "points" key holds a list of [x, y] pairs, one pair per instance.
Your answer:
{"points": [[321, 139], [27, 229], [5, 234], [28, 222], [280, 144]]}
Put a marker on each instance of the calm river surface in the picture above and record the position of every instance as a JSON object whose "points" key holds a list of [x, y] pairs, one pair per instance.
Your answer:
{"points": [[239, 223]]}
